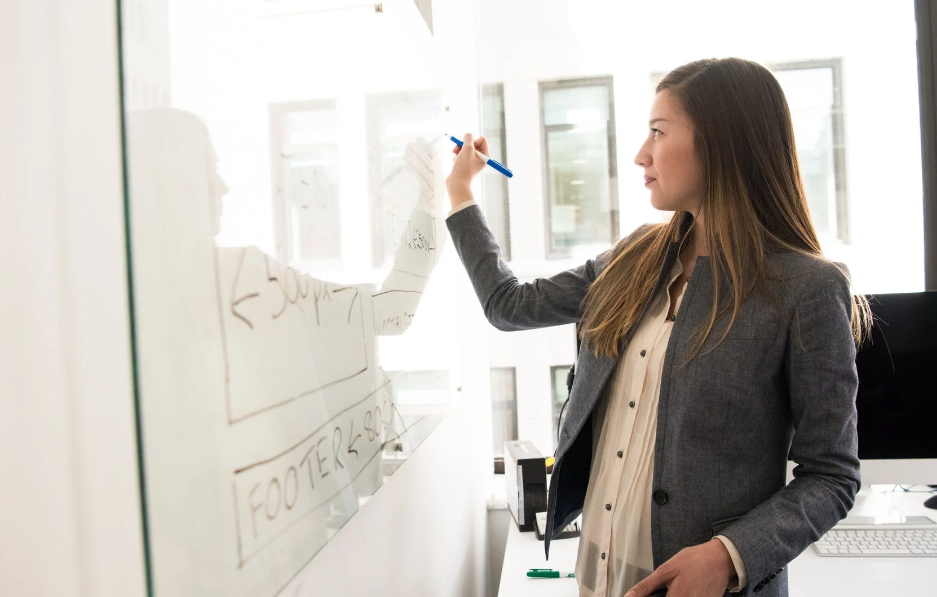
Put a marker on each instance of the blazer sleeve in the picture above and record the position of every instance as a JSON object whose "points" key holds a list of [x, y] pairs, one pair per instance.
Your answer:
{"points": [[821, 375], [508, 304]]}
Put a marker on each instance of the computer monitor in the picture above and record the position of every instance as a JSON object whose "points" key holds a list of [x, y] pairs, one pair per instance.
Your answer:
{"points": [[897, 397]]}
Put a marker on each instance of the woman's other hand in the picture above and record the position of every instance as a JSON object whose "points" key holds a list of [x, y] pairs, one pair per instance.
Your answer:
{"points": [[700, 571], [465, 167]]}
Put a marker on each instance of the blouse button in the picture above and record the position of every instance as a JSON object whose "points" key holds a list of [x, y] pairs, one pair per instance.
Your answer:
{"points": [[631, 404], [603, 555], [608, 506], [643, 352], [620, 453]]}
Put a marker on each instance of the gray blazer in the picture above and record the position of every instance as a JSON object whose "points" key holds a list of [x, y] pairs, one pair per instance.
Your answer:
{"points": [[782, 384]]}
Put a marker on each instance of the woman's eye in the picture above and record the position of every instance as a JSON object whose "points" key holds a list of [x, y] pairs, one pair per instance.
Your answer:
{"points": [[656, 132]]}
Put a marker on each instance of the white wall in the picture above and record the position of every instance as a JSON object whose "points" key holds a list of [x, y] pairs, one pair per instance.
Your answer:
{"points": [[69, 521], [524, 42]]}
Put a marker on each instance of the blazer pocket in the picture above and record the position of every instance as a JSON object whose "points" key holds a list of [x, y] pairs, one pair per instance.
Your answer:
{"points": [[722, 523]]}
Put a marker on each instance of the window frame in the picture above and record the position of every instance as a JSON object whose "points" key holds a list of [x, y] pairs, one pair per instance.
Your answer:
{"points": [[374, 106], [555, 415], [512, 401], [498, 90], [615, 214], [926, 20], [839, 134], [283, 221]]}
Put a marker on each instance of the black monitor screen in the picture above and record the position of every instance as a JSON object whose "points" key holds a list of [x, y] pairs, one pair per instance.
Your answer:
{"points": [[897, 399]]}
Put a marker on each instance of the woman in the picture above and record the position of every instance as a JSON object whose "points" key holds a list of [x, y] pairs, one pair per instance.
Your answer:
{"points": [[715, 347]]}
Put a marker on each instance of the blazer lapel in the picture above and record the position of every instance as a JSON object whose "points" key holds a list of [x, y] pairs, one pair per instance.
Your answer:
{"points": [[592, 372]]}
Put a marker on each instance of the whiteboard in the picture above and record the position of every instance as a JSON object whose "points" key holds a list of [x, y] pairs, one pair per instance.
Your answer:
{"points": [[293, 340]]}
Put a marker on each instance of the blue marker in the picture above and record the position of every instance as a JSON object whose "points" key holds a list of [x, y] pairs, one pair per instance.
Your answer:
{"points": [[493, 163]]}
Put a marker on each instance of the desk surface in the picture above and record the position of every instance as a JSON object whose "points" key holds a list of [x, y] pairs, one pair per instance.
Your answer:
{"points": [[810, 575]]}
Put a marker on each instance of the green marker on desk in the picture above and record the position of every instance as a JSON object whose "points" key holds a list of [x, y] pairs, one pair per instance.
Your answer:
{"points": [[548, 573]]}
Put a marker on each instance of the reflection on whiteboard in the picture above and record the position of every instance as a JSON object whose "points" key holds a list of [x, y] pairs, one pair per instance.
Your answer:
{"points": [[316, 327], [306, 182], [280, 491], [266, 419], [394, 120]]}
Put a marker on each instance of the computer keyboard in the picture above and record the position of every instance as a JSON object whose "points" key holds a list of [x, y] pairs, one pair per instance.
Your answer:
{"points": [[878, 542]]}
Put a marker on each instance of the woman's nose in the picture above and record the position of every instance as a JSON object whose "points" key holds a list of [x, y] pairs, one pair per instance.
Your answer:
{"points": [[643, 158]]}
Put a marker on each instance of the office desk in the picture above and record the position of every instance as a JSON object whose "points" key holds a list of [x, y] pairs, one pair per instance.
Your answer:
{"points": [[810, 575]]}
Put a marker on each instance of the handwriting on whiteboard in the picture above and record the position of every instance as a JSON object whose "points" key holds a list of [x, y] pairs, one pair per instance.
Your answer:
{"points": [[286, 335], [273, 495]]}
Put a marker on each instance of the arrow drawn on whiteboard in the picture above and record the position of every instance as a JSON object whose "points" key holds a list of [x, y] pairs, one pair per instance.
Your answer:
{"points": [[274, 278], [236, 302], [352, 443]]}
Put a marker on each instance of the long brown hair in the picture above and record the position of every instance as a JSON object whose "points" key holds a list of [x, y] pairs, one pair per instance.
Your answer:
{"points": [[753, 203]]}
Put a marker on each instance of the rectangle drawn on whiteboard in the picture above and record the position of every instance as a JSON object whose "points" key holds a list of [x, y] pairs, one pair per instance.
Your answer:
{"points": [[286, 334], [273, 495]]}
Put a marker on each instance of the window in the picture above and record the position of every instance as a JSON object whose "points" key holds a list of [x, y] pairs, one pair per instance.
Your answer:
{"points": [[503, 407], [494, 185], [305, 170], [558, 376], [814, 94], [580, 164], [393, 120], [420, 388]]}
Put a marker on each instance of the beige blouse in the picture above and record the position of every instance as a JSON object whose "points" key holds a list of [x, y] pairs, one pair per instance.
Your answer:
{"points": [[615, 550]]}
